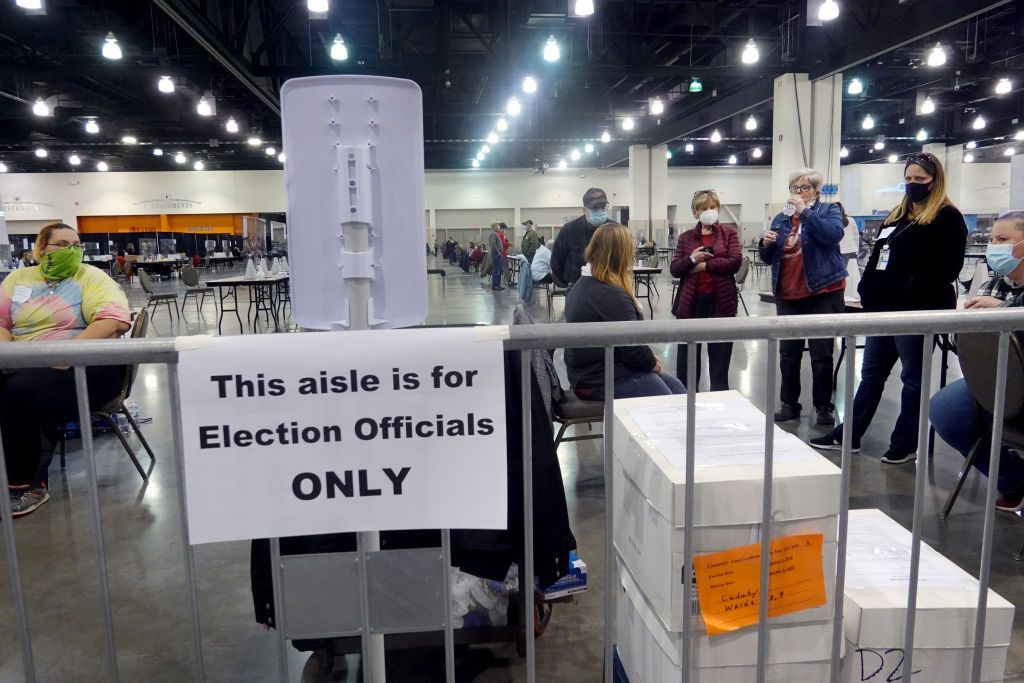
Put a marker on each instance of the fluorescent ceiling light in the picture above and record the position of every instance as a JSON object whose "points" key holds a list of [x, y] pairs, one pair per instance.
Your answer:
{"points": [[751, 123], [627, 123], [844, 152], [732, 158], [165, 84], [41, 152], [588, 148], [157, 152], [868, 123], [716, 137], [513, 107], [102, 166], [574, 154], [231, 126], [74, 160], [254, 141], [492, 138], [1003, 86], [529, 84], [270, 152], [204, 108], [129, 140], [179, 158], [757, 153], [583, 8], [502, 124], [979, 123], [606, 137], [893, 159], [657, 106], [199, 165], [318, 6], [928, 106]]}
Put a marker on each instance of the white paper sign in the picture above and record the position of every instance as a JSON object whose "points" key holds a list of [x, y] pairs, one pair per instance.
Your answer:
{"points": [[292, 434]]}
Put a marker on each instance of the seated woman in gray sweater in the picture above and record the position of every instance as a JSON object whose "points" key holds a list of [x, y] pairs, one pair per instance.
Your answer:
{"points": [[604, 293]]}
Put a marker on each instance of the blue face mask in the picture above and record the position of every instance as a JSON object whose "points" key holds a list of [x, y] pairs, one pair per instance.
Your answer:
{"points": [[597, 216], [1001, 260]]}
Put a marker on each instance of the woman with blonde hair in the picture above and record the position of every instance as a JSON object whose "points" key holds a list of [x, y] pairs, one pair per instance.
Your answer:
{"points": [[913, 265], [604, 293]]}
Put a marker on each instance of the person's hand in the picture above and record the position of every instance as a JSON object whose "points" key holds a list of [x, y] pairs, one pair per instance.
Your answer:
{"points": [[658, 368], [61, 367], [798, 204], [769, 237], [698, 255], [983, 302], [700, 267]]}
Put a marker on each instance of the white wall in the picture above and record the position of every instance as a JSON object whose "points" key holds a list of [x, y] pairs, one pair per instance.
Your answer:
{"points": [[865, 188]]}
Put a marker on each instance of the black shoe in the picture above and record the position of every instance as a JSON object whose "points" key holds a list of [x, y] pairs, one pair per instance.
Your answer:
{"points": [[497, 289], [788, 411], [895, 456], [828, 443], [826, 416]]}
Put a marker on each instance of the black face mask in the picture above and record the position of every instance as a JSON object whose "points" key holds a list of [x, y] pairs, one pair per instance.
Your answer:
{"points": [[918, 192]]}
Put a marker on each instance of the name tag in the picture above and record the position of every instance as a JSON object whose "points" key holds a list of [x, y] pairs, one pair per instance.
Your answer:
{"points": [[883, 259], [885, 233], [21, 294]]}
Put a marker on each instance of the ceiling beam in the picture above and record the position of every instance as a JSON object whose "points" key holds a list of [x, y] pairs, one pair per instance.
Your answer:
{"points": [[209, 38], [750, 96]]}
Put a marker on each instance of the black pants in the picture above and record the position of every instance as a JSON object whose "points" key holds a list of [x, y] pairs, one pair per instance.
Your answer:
{"points": [[719, 353], [791, 351], [34, 403]]}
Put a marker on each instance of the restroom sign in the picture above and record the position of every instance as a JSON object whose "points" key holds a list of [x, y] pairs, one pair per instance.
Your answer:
{"points": [[297, 434]]}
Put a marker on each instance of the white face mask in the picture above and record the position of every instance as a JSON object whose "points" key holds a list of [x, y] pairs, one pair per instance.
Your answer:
{"points": [[708, 217]]}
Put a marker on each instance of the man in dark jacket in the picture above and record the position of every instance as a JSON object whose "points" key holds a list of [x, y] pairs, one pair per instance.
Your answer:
{"points": [[567, 254], [530, 241]]}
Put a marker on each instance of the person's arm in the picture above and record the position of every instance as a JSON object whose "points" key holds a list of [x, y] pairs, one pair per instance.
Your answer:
{"points": [[824, 229], [949, 245], [6, 322], [558, 258], [105, 328], [622, 308], [5, 335], [768, 249], [729, 262], [682, 264]]}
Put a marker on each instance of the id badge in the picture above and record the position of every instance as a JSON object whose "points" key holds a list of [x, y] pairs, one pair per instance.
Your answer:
{"points": [[21, 294], [883, 259]]}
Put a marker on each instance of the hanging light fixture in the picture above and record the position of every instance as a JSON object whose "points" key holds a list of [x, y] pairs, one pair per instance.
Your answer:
{"points": [[972, 144], [627, 123], [583, 8], [716, 137], [282, 157], [165, 84], [757, 153], [732, 158], [479, 156], [476, 163], [668, 154], [922, 135], [893, 159], [179, 158], [254, 141], [41, 152], [657, 106], [231, 126], [979, 123], [750, 53], [40, 108], [844, 152], [29, 4], [339, 51], [199, 165], [318, 6], [513, 107], [689, 147], [552, 52], [486, 149], [562, 165], [129, 140], [529, 85], [574, 154], [969, 158], [74, 160], [928, 106], [588, 148], [502, 125], [493, 138], [204, 107], [880, 143], [1003, 86], [102, 166], [751, 123], [157, 152], [937, 56], [1010, 151], [606, 137], [696, 85], [868, 123], [828, 10], [111, 50], [270, 152], [92, 127], [1019, 135], [3, 167], [855, 87]]}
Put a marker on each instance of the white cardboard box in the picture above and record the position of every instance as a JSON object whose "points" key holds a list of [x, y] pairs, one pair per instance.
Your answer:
{"points": [[649, 486], [798, 653], [875, 609]]}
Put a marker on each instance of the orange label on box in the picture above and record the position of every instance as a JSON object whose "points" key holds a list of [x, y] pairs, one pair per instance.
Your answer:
{"points": [[728, 582]]}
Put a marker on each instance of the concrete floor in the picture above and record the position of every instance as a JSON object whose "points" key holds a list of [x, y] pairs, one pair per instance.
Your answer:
{"points": [[142, 539]]}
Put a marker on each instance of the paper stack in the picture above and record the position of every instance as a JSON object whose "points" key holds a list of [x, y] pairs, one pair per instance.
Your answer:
{"points": [[250, 270], [875, 610], [275, 268], [649, 479]]}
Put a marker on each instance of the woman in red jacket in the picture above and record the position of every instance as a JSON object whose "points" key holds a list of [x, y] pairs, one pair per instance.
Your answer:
{"points": [[707, 258]]}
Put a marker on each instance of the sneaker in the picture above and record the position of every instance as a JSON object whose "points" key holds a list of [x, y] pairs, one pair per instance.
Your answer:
{"points": [[826, 417], [28, 502], [788, 411], [828, 443], [895, 456], [1010, 502]]}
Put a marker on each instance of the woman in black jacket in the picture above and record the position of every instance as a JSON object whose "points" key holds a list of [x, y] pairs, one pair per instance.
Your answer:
{"points": [[604, 293], [916, 258]]}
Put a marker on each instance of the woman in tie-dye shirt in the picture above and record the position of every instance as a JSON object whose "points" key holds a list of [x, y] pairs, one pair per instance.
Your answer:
{"points": [[59, 299]]}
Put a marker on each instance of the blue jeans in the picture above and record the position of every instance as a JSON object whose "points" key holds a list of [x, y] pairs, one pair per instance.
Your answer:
{"points": [[643, 384], [960, 422], [880, 355], [496, 268]]}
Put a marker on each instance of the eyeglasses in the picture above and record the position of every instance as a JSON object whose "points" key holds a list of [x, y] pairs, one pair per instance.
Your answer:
{"points": [[800, 189], [64, 244]]}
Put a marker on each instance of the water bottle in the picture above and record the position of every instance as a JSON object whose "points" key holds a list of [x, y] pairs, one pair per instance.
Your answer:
{"points": [[788, 210], [122, 423]]}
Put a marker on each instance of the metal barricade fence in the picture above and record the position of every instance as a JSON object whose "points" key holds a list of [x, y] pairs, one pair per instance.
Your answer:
{"points": [[607, 335]]}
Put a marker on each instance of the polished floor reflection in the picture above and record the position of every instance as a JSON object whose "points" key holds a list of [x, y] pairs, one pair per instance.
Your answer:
{"points": [[142, 538]]}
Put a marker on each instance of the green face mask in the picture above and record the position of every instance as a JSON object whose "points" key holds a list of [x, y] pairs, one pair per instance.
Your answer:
{"points": [[61, 264]]}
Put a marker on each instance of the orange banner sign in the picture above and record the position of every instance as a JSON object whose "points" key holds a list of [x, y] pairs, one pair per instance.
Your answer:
{"points": [[728, 581]]}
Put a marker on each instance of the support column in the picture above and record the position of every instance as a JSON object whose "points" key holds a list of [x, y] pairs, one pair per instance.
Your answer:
{"points": [[1016, 182], [648, 181], [954, 162], [806, 127]]}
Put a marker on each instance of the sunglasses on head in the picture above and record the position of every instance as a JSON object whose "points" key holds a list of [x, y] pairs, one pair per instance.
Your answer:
{"points": [[700, 192], [925, 160]]}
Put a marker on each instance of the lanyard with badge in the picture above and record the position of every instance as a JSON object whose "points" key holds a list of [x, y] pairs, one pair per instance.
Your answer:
{"points": [[888, 236]]}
